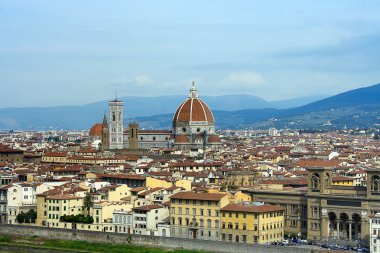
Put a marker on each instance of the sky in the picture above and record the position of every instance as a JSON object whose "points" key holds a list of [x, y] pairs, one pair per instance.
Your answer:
{"points": [[70, 52]]}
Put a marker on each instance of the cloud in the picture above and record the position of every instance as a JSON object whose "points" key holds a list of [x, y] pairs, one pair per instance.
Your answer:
{"points": [[250, 78]]}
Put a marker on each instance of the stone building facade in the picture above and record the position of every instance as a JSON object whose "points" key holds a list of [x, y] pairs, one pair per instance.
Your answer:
{"points": [[324, 211]]}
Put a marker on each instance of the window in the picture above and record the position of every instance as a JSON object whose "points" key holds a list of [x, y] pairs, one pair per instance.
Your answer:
{"points": [[209, 223], [209, 203], [194, 211], [244, 215], [244, 238], [179, 210], [315, 212], [236, 215], [217, 213], [230, 237], [223, 225], [209, 212], [223, 237], [236, 225], [173, 210], [244, 226], [201, 212], [187, 211]]}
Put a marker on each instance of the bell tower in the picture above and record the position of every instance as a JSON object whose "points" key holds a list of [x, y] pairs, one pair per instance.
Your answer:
{"points": [[116, 109]]}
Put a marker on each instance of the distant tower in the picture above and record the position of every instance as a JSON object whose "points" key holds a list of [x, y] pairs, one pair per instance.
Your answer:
{"points": [[105, 134], [133, 136], [116, 124]]}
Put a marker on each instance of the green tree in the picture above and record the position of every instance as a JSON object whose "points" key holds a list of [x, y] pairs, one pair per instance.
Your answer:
{"points": [[28, 217], [88, 203]]}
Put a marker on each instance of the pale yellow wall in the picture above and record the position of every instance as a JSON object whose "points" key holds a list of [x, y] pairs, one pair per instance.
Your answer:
{"points": [[268, 229], [186, 184], [154, 182], [120, 192], [57, 208]]}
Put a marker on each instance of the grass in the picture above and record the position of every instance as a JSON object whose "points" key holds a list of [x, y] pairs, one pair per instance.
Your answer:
{"points": [[83, 246]]}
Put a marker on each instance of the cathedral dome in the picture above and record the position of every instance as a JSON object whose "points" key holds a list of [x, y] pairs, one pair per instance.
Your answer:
{"points": [[193, 109], [96, 130]]}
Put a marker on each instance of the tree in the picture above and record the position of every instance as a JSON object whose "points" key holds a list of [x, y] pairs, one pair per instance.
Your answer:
{"points": [[29, 217], [88, 203]]}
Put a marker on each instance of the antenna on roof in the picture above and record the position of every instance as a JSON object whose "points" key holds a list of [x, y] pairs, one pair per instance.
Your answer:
{"points": [[116, 95]]}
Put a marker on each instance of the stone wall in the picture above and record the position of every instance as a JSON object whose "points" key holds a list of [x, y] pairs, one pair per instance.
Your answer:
{"points": [[152, 241]]}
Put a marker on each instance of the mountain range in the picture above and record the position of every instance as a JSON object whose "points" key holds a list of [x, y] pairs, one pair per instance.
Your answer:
{"points": [[355, 108]]}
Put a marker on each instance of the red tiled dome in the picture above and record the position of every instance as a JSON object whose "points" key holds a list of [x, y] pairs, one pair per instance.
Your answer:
{"points": [[193, 109], [96, 130]]}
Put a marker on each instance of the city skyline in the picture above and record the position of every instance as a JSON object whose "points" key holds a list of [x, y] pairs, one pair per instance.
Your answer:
{"points": [[70, 53]]}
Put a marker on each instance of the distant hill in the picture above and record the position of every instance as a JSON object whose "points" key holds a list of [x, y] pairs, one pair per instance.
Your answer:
{"points": [[83, 117], [355, 108]]}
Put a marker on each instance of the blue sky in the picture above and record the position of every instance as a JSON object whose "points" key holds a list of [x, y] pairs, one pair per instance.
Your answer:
{"points": [[68, 52]]}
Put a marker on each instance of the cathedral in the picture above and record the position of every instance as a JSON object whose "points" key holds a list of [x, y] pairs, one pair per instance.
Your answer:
{"points": [[193, 128]]}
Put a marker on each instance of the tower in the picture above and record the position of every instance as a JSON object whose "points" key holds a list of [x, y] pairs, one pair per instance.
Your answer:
{"points": [[105, 134], [116, 124], [133, 136], [319, 180]]}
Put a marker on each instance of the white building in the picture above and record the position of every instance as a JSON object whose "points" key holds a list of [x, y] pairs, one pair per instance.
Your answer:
{"points": [[123, 221], [374, 242], [20, 198], [146, 219]]}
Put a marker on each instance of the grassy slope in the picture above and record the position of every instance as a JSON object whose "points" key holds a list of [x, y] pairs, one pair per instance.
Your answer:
{"points": [[82, 245]]}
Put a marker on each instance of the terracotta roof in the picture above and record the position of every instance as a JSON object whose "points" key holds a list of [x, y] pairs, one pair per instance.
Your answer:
{"points": [[213, 139], [64, 196], [147, 208], [341, 178], [131, 176], [182, 139], [318, 163], [198, 196], [137, 189], [251, 209]]}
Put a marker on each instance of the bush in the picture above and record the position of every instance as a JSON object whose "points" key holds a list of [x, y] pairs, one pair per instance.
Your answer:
{"points": [[80, 218]]}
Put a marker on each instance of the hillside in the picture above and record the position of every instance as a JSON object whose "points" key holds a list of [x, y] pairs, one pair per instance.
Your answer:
{"points": [[355, 108]]}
